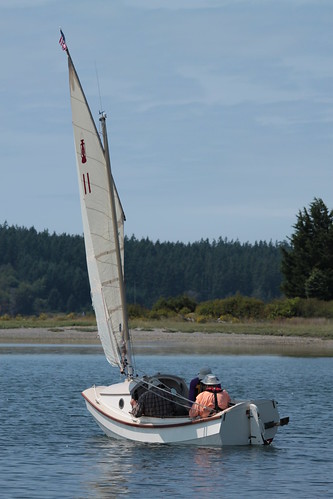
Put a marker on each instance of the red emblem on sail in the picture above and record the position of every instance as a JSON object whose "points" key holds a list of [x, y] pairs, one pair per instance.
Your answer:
{"points": [[83, 152]]}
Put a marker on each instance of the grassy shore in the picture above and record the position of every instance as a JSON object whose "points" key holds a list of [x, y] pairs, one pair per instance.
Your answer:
{"points": [[287, 337], [307, 328], [87, 322], [311, 328]]}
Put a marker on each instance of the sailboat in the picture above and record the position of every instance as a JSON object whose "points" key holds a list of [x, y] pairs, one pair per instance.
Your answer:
{"points": [[245, 422]]}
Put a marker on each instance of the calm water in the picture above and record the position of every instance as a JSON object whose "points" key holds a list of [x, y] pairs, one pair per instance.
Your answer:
{"points": [[51, 448]]}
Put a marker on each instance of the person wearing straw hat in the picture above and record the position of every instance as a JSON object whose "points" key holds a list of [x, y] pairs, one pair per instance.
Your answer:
{"points": [[212, 400], [195, 385]]}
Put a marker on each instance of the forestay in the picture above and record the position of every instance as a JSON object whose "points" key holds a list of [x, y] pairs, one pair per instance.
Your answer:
{"points": [[98, 224]]}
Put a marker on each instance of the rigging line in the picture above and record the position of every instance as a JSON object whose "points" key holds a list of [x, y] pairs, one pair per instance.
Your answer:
{"points": [[133, 355], [112, 337], [166, 388], [172, 399], [130, 342], [187, 403], [175, 395], [99, 91], [101, 112]]}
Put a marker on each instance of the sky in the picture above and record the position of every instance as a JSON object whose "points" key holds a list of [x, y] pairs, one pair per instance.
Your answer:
{"points": [[220, 113]]}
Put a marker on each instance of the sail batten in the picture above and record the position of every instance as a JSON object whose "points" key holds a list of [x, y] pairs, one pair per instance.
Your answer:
{"points": [[99, 220], [110, 283]]}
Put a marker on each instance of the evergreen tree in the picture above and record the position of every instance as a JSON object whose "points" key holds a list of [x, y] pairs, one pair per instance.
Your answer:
{"points": [[308, 265]]}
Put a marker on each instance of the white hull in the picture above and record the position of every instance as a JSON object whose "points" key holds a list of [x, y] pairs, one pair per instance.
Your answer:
{"points": [[245, 423]]}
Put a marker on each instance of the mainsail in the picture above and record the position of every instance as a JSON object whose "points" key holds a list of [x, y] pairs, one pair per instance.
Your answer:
{"points": [[95, 183]]}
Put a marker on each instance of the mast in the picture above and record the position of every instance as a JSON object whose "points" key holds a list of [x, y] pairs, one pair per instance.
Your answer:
{"points": [[126, 357]]}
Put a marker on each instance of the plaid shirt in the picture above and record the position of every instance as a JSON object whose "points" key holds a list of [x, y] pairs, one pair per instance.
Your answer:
{"points": [[154, 403]]}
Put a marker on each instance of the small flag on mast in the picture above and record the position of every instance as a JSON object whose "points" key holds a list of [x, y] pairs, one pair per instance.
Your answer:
{"points": [[62, 41]]}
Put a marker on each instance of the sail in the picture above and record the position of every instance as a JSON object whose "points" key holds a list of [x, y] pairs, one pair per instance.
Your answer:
{"points": [[100, 243]]}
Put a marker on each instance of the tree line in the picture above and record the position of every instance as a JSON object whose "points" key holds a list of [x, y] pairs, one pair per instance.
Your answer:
{"points": [[202, 270], [43, 272]]}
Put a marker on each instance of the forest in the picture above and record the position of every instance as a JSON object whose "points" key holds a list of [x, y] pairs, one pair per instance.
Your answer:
{"points": [[42, 272]]}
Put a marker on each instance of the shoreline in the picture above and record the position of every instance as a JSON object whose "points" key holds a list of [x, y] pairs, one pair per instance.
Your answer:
{"points": [[159, 341]]}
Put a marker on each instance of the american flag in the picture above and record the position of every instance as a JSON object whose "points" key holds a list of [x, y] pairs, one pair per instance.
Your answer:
{"points": [[62, 41]]}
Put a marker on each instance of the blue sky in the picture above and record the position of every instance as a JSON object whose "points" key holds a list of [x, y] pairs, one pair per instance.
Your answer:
{"points": [[220, 113]]}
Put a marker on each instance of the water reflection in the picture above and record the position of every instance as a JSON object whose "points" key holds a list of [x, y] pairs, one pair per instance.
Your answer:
{"points": [[47, 348], [147, 470], [291, 350]]}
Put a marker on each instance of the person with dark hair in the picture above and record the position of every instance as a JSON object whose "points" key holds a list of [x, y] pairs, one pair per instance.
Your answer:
{"points": [[210, 401], [196, 385]]}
